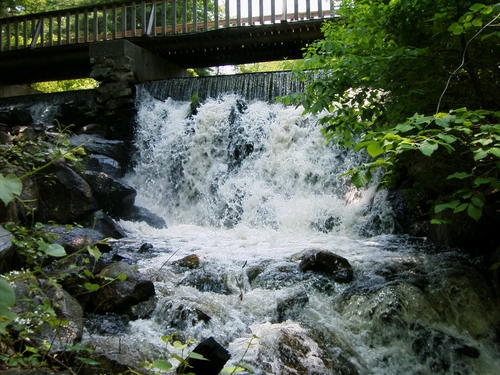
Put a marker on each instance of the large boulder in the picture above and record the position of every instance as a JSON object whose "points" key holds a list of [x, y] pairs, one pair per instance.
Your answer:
{"points": [[120, 295], [136, 213], [207, 280], [16, 117], [104, 224], [73, 238], [94, 144], [103, 163], [34, 294], [112, 195], [327, 263], [67, 199]]}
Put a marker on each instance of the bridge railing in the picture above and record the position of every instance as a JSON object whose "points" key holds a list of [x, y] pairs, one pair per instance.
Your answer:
{"points": [[151, 18]]}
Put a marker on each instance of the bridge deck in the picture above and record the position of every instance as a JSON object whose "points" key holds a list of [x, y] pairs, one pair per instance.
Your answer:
{"points": [[190, 33]]}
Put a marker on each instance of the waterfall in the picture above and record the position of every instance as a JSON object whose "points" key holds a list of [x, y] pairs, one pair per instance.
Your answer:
{"points": [[248, 186]]}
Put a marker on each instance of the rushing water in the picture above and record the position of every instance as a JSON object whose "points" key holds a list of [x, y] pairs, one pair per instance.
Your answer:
{"points": [[248, 186]]}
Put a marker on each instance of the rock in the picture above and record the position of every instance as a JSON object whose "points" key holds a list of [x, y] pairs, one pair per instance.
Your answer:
{"points": [[112, 195], [74, 238], [95, 129], [326, 225], [119, 296], [39, 292], [216, 357], [136, 213], [68, 199], [328, 263], [5, 138], [143, 310], [146, 248], [181, 315], [7, 251], [206, 281], [94, 144], [279, 275], [104, 224], [107, 324], [39, 371], [102, 163], [289, 307], [16, 117], [190, 261], [73, 112]]}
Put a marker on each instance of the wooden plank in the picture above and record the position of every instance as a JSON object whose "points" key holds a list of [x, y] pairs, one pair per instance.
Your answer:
{"points": [[86, 26], [249, 17], [174, 16], [59, 30], [50, 32], [133, 19], [205, 15], [96, 26], [261, 12], [104, 24], [226, 8], [124, 20], [25, 34], [113, 23], [238, 12], [195, 17], [143, 16], [164, 17], [184, 16], [216, 14]]}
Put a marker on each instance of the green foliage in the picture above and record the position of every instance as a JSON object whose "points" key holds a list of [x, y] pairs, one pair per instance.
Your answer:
{"points": [[10, 186], [271, 66], [68, 85], [471, 141]]}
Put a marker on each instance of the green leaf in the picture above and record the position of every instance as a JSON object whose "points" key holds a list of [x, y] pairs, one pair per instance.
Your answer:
{"points": [[444, 206], [179, 345], [52, 249], [440, 221], [10, 186], [122, 277], [480, 154], [91, 287], [7, 295], [478, 202], [474, 212], [495, 151], [476, 7], [162, 364], [482, 180], [232, 370], [197, 356], [427, 148], [374, 149], [446, 137], [94, 252], [459, 175], [403, 128], [460, 208], [88, 361], [456, 29], [360, 179]]}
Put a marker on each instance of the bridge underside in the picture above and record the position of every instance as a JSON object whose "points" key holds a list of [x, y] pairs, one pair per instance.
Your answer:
{"points": [[237, 45]]}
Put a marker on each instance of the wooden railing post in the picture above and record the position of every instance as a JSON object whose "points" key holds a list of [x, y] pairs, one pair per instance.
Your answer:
{"points": [[226, 8], [216, 14], [261, 12], [273, 11], [250, 19], [174, 17], [96, 25], [184, 16], [320, 8], [284, 12], [308, 9], [150, 29], [1, 37], [86, 26], [205, 15], [238, 12], [133, 19], [164, 17]]}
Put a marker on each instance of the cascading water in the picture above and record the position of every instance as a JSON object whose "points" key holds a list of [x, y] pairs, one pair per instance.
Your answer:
{"points": [[248, 186]]}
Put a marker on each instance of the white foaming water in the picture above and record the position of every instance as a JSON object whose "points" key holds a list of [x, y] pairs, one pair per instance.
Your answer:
{"points": [[248, 187]]}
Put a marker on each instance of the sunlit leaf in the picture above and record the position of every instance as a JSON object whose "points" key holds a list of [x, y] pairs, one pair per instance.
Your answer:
{"points": [[427, 148], [162, 364], [10, 186]]}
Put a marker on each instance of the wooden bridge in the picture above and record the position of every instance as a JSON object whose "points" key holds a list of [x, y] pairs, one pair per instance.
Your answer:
{"points": [[187, 33]]}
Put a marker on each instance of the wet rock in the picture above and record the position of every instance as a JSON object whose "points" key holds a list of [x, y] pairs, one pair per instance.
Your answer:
{"points": [[74, 238], [16, 117], [146, 248], [328, 263], [143, 310], [5, 138], [120, 295], [112, 195], [326, 225], [190, 261], [107, 324], [136, 213], [216, 357], [206, 281], [30, 296], [102, 163], [93, 128], [75, 112], [279, 275], [104, 224], [7, 250], [290, 307], [181, 315], [67, 199], [94, 144]]}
